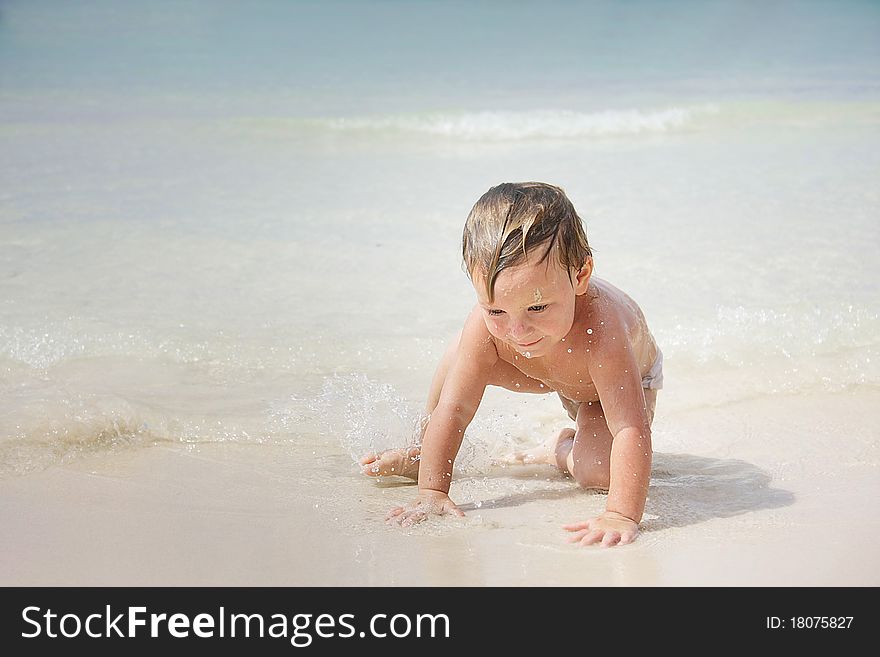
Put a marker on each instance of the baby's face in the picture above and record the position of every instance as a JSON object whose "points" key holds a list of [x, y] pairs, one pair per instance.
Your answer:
{"points": [[533, 308]]}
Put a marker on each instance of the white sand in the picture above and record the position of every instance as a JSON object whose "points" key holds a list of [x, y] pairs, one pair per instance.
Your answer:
{"points": [[758, 493]]}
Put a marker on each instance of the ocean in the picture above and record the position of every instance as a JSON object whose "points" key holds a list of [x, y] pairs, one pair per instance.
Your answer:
{"points": [[229, 221]]}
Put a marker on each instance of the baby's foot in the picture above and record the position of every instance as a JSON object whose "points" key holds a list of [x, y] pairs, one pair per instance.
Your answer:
{"points": [[403, 462], [543, 453]]}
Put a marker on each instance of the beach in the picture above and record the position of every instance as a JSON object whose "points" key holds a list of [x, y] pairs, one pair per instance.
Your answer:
{"points": [[230, 261], [731, 511]]}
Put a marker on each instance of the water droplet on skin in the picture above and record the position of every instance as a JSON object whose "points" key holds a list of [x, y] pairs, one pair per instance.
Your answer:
{"points": [[528, 354], [569, 351], [541, 384], [590, 331], [517, 385]]}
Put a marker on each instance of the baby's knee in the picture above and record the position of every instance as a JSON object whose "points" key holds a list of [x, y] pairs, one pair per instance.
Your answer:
{"points": [[590, 473]]}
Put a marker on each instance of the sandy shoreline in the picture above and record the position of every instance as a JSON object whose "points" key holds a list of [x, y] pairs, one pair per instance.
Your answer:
{"points": [[750, 494]]}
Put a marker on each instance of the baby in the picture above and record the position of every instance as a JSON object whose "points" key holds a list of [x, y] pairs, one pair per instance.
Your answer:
{"points": [[542, 323]]}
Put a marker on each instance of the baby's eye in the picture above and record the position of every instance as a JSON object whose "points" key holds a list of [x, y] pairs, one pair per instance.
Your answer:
{"points": [[537, 309], [494, 312]]}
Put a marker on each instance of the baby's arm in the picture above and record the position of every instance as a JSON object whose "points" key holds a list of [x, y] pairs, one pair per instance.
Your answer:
{"points": [[615, 373], [460, 397]]}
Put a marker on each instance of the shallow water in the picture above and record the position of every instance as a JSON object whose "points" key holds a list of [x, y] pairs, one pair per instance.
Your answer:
{"points": [[231, 224]]}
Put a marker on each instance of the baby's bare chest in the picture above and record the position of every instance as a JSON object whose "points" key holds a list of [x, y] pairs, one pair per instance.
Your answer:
{"points": [[566, 370]]}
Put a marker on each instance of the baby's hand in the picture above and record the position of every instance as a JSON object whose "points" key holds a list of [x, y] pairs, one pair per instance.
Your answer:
{"points": [[609, 529], [428, 502]]}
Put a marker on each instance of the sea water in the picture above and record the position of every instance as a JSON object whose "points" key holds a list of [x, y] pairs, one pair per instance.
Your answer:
{"points": [[226, 221]]}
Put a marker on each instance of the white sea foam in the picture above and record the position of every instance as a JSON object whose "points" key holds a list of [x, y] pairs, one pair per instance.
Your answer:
{"points": [[51, 426], [536, 124]]}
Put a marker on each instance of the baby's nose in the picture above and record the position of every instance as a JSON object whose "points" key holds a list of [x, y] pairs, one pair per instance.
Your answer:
{"points": [[520, 330]]}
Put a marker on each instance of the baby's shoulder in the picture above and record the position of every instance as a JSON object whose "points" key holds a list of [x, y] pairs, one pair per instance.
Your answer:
{"points": [[604, 304], [606, 313], [474, 333]]}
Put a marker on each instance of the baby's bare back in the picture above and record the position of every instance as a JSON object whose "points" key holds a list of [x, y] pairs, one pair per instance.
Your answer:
{"points": [[604, 315]]}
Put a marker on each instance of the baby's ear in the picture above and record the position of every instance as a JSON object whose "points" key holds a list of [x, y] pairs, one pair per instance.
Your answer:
{"points": [[582, 279]]}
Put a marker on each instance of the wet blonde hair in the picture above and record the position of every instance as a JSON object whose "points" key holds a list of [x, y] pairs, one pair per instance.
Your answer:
{"points": [[512, 219]]}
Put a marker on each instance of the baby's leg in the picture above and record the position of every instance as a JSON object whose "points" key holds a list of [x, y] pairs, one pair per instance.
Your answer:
{"points": [[543, 453], [589, 458], [547, 451], [405, 461]]}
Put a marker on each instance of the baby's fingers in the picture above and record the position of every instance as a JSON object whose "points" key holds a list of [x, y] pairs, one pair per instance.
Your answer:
{"points": [[628, 537], [405, 517], [591, 537], [396, 511], [577, 526], [411, 518], [577, 536]]}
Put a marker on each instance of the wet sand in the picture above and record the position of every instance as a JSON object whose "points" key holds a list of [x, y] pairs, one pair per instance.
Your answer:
{"points": [[770, 492]]}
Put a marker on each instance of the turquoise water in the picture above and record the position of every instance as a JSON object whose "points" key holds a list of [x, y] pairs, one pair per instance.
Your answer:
{"points": [[350, 58], [241, 221]]}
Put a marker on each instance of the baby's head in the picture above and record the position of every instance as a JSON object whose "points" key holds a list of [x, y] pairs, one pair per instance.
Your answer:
{"points": [[526, 253], [515, 220]]}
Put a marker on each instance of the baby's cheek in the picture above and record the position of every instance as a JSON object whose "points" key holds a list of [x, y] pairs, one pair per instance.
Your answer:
{"points": [[495, 328]]}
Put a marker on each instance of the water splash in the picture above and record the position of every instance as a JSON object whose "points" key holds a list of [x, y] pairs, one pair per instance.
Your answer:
{"points": [[365, 415]]}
